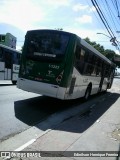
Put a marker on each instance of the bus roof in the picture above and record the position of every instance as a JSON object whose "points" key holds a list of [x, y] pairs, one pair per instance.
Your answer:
{"points": [[82, 41], [50, 30], [12, 49]]}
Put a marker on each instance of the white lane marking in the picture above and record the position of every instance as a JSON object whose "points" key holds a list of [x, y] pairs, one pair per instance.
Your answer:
{"points": [[25, 145], [21, 148], [32, 141]]}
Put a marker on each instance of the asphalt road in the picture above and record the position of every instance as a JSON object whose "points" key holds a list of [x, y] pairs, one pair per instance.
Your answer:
{"points": [[20, 110]]}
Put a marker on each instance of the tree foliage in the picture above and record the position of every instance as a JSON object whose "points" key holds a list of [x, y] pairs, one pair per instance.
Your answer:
{"points": [[110, 54], [59, 29]]}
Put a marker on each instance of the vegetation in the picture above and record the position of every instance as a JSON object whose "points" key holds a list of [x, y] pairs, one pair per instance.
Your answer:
{"points": [[59, 29], [110, 54]]}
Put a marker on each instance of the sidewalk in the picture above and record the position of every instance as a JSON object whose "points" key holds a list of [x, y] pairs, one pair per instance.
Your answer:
{"points": [[98, 130]]}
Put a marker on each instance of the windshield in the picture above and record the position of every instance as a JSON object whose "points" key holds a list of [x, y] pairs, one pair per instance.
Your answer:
{"points": [[47, 45]]}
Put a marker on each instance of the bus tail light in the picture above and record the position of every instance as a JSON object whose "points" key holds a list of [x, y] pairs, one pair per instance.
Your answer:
{"points": [[59, 78]]}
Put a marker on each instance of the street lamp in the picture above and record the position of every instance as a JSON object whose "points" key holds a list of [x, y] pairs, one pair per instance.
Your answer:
{"points": [[104, 35], [112, 39]]}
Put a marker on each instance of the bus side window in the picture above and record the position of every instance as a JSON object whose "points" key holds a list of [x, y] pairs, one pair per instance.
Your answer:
{"points": [[107, 71], [1, 54], [80, 55], [103, 71], [97, 66], [89, 67], [8, 59], [15, 58], [77, 52], [18, 57], [90, 58]]}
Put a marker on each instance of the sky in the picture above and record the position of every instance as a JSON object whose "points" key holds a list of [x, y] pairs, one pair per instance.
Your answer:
{"points": [[76, 16]]}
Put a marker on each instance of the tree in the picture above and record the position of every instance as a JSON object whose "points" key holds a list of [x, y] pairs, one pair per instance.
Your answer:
{"points": [[96, 46], [110, 54], [117, 62], [59, 29], [87, 40]]}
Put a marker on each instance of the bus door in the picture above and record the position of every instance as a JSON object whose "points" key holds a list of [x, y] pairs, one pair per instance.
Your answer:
{"points": [[8, 64], [102, 77]]}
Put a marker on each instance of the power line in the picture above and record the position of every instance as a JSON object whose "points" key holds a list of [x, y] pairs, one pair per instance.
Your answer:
{"points": [[96, 15], [118, 3], [117, 8], [113, 2], [102, 17], [111, 14], [107, 26]]}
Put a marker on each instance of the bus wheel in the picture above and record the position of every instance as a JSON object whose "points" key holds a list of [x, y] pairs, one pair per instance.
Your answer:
{"points": [[87, 93], [14, 82]]}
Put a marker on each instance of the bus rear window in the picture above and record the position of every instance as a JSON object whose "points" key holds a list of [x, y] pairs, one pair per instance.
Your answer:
{"points": [[48, 45]]}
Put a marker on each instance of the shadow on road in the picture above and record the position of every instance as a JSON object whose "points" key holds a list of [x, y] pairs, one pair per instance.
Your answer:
{"points": [[35, 110], [91, 116]]}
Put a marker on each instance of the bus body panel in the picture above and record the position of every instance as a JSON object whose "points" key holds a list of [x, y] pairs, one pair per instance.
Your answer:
{"points": [[81, 85], [15, 72], [9, 62], [43, 72], [41, 88], [9, 74]]}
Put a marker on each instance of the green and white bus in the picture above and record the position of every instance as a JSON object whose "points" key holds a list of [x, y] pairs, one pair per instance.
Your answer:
{"points": [[9, 63], [62, 65]]}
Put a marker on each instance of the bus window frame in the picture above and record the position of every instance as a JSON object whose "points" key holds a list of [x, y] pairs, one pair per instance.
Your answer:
{"points": [[58, 57], [92, 65]]}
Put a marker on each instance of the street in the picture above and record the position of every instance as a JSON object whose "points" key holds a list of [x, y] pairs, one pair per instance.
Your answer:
{"points": [[19, 110], [22, 112], [10, 96]]}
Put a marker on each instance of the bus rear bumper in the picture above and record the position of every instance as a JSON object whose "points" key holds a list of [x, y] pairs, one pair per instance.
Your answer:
{"points": [[46, 89]]}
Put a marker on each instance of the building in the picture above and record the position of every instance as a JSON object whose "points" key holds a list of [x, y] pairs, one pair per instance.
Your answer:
{"points": [[8, 39]]}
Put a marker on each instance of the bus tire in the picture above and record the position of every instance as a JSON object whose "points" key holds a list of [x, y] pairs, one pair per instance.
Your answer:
{"points": [[87, 93], [14, 82]]}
